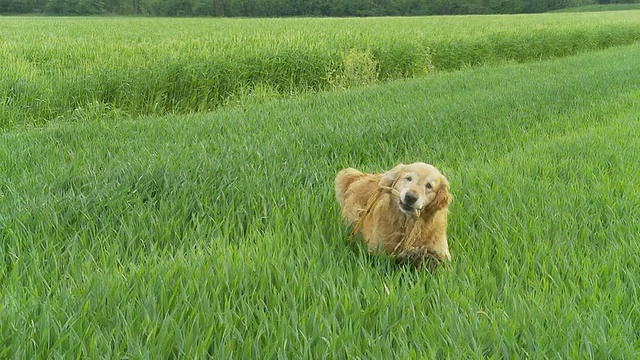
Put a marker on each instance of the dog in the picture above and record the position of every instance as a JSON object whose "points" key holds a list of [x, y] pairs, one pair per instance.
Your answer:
{"points": [[402, 211]]}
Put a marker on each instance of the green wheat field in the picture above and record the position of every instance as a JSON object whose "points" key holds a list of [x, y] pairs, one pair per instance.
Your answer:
{"points": [[166, 186]]}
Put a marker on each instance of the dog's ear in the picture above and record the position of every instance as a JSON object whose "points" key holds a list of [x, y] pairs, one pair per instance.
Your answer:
{"points": [[390, 176], [443, 197]]}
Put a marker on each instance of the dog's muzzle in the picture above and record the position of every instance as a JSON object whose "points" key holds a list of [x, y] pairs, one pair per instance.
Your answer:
{"points": [[408, 203]]}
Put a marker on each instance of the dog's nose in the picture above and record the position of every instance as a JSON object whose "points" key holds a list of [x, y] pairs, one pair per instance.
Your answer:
{"points": [[410, 198]]}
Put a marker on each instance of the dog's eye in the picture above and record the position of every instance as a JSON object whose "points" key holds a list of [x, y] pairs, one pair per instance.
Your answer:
{"points": [[408, 178], [429, 186]]}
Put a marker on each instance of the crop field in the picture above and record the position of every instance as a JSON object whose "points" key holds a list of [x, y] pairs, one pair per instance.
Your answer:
{"points": [[598, 7], [91, 67], [212, 231]]}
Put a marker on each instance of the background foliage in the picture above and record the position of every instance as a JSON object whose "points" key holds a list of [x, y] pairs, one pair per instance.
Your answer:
{"points": [[278, 8]]}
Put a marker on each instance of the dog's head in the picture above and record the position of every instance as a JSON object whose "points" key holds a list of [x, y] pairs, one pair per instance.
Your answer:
{"points": [[420, 187]]}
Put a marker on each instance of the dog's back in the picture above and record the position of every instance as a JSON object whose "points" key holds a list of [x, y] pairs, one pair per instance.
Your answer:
{"points": [[353, 189]]}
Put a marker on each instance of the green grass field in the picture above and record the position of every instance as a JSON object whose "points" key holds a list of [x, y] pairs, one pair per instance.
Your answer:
{"points": [[87, 68], [216, 234], [600, 7]]}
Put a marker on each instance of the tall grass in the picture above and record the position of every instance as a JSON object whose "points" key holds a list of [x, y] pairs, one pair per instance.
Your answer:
{"points": [[600, 7], [218, 234], [84, 68]]}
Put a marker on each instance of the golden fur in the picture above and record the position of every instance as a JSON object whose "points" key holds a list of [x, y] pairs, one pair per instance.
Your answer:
{"points": [[414, 217]]}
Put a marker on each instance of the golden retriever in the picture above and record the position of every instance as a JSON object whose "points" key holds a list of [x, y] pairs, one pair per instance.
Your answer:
{"points": [[403, 211]]}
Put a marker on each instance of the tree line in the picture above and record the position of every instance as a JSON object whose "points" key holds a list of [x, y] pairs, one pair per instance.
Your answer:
{"points": [[287, 8]]}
